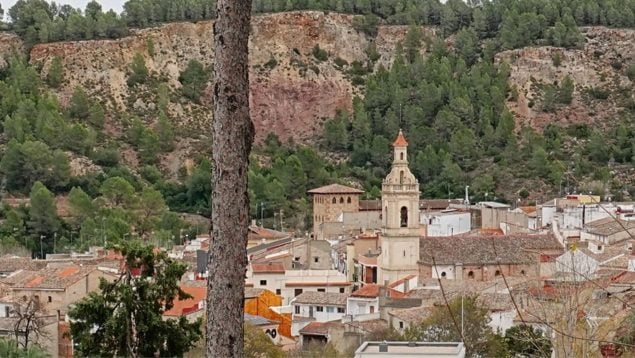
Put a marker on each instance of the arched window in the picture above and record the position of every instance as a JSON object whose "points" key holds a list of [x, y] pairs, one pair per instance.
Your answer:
{"points": [[401, 177], [341, 200], [404, 216], [497, 273], [334, 201], [470, 274], [348, 200], [401, 156]]}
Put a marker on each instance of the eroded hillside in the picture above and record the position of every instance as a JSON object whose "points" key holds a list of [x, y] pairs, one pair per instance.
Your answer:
{"points": [[291, 91]]}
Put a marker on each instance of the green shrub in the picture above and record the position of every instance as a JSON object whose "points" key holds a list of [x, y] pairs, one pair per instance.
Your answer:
{"points": [[319, 54]]}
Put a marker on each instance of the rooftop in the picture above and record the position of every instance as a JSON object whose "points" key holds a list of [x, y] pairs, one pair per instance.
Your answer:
{"points": [[257, 320], [319, 328], [188, 305], [251, 292], [335, 189], [412, 315], [321, 298], [608, 226], [270, 267], [479, 250], [48, 278], [371, 290], [400, 141], [416, 349]]}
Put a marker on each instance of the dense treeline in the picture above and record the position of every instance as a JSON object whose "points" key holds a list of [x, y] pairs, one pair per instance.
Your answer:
{"points": [[451, 105], [515, 23], [104, 204]]}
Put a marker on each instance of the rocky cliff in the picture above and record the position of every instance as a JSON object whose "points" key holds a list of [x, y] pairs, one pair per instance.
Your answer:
{"points": [[291, 91], [597, 70]]}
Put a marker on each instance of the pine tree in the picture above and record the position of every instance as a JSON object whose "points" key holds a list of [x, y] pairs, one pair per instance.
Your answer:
{"points": [[55, 75], [129, 310]]}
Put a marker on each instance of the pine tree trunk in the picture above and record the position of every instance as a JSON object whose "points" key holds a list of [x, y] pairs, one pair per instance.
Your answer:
{"points": [[232, 137]]}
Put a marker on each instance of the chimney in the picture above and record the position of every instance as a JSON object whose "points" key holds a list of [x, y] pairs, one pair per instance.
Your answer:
{"points": [[383, 347]]}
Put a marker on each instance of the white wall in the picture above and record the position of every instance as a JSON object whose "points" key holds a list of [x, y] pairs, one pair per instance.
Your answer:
{"points": [[501, 321], [572, 216], [446, 224], [576, 262], [3, 309], [361, 305], [310, 277], [440, 269], [547, 214]]}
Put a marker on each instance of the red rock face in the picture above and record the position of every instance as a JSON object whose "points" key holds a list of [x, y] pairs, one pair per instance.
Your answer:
{"points": [[292, 99], [295, 107]]}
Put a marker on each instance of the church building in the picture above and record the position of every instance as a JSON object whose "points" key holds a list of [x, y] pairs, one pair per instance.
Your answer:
{"points": [[400, 234]]}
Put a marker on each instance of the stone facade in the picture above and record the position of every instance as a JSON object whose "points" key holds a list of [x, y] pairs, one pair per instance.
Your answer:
{"points": [[329, 202]]}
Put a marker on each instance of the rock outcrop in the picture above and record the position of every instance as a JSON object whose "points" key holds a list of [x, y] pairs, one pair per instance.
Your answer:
{"points": [[291, 91], [599, 65]]}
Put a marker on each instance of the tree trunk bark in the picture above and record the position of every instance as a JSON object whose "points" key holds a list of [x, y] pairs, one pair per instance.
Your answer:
{"points": [[232, 137]]}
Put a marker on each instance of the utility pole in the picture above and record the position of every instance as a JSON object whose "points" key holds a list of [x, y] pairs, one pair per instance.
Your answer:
{"points": [[262, 215], [41, 250], [54, 242], [281, 222]]}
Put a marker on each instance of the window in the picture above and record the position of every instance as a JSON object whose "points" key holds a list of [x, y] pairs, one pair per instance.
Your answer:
{"points": [[522, 272], [50, 299], [334, 201], [6, 311], [330, 309], [278, 292], [319, 308], [497, 273], [340, 310], [599, 247], [470, 274], [341, 200], [348, 201], [263, 282], [400, 325], [341, 289], [443, 274], [297, 292], [401, 177], [372, 309], [297, 309], [321, 290], [404, 253], [24, 298], [404, 216], [401, 156], [316, 259]]}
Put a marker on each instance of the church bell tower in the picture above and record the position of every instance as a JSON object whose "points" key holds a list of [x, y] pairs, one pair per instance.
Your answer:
{"points": [[400, 218]]}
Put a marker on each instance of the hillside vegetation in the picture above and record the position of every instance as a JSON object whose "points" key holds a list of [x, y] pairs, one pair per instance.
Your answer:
{"points": [[118, 128]]}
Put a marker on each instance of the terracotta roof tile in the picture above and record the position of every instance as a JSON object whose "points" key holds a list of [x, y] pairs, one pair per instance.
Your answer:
{"points": [[335, 189], [270, 267], [371, 290], [319, 328], [183, 307], [400, 141]]}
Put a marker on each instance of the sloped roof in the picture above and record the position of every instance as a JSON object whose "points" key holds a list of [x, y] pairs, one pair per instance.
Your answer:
{"points": [[478, 248], [335, 189], [257, 320], [251, 292], [608, 226], [319, 328], [412, 315], [322, 298], [198, 294], [270, 267], [371, 290], [48, 278], [400, 141]]}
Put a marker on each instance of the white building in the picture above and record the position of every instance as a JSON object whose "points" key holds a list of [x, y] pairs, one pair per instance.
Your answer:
{"points": [[291, 283], [316, 307], [410, 349], [582, 263], [448, 222], [576, 217]]}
